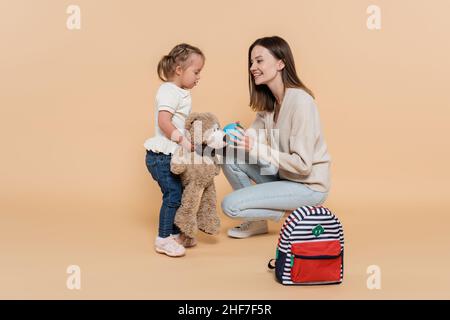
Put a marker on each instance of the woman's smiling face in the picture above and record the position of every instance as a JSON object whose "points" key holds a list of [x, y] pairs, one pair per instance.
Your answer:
{"points": [[264, 66]]}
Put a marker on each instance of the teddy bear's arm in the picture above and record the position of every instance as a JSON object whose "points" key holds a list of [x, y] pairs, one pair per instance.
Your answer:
{"points": [[217, 170], [218, 160]]}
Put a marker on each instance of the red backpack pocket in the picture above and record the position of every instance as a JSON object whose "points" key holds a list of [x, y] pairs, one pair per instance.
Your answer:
{"points": [[316, 261]]}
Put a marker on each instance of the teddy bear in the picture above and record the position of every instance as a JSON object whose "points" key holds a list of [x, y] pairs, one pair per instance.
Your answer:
{"points": [[197, 170]]}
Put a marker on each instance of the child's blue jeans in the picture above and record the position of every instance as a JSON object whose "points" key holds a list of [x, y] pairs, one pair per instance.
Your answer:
{"points": [[158, 164]]}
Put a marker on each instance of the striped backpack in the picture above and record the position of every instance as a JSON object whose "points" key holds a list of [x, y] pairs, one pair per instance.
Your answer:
{"points": [[310, 248]]}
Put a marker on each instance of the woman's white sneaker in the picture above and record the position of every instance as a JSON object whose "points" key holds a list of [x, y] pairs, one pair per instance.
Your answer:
{"points": [[169, 246], [248, 229]]}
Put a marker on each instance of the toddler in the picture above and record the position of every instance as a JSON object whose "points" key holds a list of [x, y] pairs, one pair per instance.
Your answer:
{"points": [[180, 72]]}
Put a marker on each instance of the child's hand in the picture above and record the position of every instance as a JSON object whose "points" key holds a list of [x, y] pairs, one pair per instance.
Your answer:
{"points": [[186, 144]]}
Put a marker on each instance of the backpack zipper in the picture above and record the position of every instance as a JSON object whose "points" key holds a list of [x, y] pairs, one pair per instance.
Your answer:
{"points": [[317, 257]]}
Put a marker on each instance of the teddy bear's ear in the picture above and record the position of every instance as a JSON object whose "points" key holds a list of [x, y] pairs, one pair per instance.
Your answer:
{"points": [[190, 120], [213, 117]]}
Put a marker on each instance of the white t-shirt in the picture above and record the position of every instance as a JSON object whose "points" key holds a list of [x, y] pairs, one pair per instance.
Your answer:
{"points": [[178, 102]]}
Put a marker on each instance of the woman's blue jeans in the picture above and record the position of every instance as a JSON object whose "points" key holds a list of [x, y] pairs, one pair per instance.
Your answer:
{"points": [[269, 198]]}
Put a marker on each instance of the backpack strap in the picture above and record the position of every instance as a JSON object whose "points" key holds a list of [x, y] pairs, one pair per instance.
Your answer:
{"points": [[270, 265]]}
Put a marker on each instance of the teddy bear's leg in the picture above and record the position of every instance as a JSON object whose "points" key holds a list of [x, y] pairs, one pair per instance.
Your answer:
{"points": [[186, 216], [207, 218], [186, 241]]}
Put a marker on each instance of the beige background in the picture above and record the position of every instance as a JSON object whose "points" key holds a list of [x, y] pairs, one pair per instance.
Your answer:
{"points": [[76, 107]]}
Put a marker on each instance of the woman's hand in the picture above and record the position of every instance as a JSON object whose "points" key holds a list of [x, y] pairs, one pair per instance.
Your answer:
{"points": [[245, 140]]}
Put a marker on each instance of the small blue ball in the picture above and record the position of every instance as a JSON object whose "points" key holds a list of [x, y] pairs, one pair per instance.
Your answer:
{"points": [[229, 128]]}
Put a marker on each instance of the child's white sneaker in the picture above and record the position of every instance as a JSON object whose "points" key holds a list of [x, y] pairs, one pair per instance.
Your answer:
{"points": [[248, 229], [169, 246]]}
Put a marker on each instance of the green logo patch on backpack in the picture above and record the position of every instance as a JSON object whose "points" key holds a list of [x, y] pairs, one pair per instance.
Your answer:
{"points": [[318, 230]]}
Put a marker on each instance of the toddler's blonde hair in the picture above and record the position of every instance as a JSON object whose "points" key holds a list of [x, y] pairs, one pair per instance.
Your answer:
{"points": [[177, 56]]}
